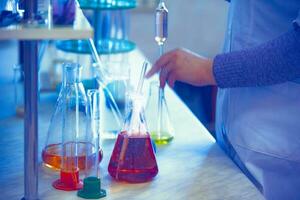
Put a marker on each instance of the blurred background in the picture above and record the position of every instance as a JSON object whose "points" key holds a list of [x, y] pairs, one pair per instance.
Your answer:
{"points": [[198, 25]]}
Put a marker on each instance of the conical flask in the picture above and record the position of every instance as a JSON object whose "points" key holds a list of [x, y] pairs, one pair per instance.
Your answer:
{"points": [[69, 123], [159, 123], [133, 159]]}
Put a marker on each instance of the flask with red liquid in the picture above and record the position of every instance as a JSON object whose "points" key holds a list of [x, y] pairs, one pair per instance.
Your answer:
{"points": [[133, 159]]}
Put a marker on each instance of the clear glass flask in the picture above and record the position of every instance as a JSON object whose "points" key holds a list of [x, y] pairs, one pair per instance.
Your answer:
{"points": [[69, 124], [161, 127], [19, 90], [133, 158], [159, 123]]}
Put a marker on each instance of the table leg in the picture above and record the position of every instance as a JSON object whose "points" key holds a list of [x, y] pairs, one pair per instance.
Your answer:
{"points": [[30, 63], [31, 120]]}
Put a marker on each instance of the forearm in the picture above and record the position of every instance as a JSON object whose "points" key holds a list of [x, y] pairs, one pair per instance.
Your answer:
{"points": [[274, 62]]}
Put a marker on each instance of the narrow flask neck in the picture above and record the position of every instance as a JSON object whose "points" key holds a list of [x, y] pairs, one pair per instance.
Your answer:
{"points": [[71, 74], [135, 122], [154, 89], [135, 102]]}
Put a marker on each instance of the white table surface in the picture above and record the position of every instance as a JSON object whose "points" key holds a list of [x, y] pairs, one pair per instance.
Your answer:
{"points": [[191, 167]]}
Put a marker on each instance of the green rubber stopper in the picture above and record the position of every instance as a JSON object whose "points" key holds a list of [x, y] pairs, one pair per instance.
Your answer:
{"points": [[91, 189]]}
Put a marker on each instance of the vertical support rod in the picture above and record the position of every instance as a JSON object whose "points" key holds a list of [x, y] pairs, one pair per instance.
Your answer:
{"points": [[31, 121], [30, 63]]}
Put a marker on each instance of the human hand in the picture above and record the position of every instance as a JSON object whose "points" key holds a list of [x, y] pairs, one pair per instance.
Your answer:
{"points": [[183, 65]]}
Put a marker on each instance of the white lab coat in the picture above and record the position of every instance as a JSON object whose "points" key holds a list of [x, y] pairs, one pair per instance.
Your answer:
{"points": [[259, 127]]}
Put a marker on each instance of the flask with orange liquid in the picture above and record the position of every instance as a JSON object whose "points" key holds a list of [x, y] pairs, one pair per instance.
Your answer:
{"points": [[70, 124]]}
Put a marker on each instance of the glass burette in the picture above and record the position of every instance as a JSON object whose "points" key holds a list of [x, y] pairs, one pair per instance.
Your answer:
{"points": [[164, 132]]}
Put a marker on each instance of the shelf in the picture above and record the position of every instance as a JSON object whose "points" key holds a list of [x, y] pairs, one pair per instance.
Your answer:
{"points": [[115, 5], [80, 30], [108, 46]]}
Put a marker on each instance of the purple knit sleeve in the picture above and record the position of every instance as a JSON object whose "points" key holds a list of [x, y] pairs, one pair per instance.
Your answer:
{"points": [[273, 62]]}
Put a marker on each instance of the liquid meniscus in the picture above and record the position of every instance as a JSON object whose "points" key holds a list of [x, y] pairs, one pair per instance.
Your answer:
{"points": [[52, 156], [163, 138]]}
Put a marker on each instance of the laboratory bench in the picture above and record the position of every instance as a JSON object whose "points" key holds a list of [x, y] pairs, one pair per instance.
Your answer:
{"points": [[192, 166]]}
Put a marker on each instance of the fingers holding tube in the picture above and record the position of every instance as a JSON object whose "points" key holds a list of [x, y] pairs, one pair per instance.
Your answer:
{"points": [[159, 64], [172, 78], [166, 65], [164, 74]]}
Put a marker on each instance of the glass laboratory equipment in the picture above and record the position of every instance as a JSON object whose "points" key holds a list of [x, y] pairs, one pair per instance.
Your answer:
{"points": [[9, 10], [161, 24], [69, 173], [118, 70], [133, 158], [70, 121], [19, 90], [70, 117], [159, 123], [110, 20], [12, 5], [111, 115], [92, 183], [113, 90], [43, 9], [118, 89], [163, 131], [108, 4]]}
